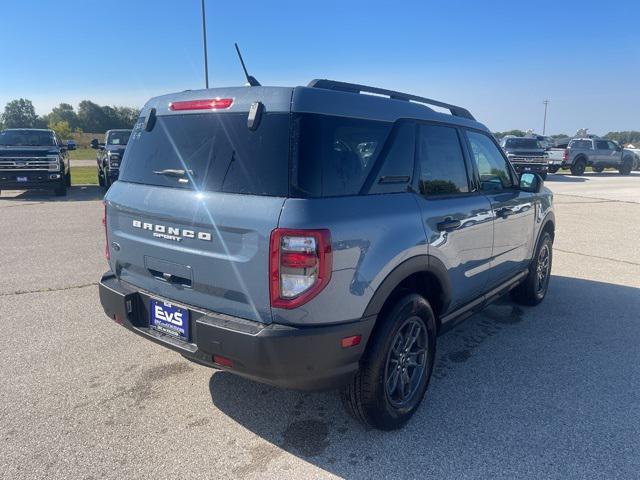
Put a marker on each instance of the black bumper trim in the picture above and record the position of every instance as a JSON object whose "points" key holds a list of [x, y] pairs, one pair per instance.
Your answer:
{"points": [[298, 357]]}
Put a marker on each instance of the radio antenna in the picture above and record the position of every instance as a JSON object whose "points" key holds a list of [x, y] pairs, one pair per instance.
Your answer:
{"points": [[250, 80]]}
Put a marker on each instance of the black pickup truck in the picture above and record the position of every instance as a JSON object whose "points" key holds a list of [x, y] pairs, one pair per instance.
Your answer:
{"points": [[34, 159], [526, 155], [110, 155]]}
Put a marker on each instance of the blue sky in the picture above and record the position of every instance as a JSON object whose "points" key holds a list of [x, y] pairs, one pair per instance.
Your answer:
{"points": [[499, 59]]}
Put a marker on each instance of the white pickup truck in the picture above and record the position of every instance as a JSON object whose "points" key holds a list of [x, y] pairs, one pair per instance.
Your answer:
{"points": [[636, 152], [555, 155]]}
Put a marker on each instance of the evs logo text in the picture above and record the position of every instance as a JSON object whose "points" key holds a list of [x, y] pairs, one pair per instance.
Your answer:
{"points": [[174, 318], [171, 233]]}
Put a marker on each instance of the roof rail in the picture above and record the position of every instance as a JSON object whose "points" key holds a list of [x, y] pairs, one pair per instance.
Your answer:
{"points": [[355, 88]]}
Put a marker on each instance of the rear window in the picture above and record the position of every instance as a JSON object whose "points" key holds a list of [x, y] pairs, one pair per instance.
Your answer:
{"points": [[580, 144], [214, 152], [333, 156]]}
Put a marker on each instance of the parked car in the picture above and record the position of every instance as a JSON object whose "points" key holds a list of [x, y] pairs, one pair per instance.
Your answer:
{"points": [[34, 159], [526, 155], [318, 237], [598, 153], [110, 155]]}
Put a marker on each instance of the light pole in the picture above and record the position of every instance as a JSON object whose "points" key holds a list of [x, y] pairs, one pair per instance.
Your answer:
{"points": [[204, 42], [544, 124]]}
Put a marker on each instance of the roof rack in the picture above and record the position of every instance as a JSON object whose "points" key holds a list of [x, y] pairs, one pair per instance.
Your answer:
{"points": [[355, 88]]}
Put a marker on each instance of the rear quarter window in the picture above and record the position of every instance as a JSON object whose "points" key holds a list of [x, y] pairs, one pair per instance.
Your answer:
{"points": [[333, 156]]}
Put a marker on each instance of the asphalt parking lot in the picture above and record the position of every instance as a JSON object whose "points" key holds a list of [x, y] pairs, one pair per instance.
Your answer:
{"points": [[545, 392]]}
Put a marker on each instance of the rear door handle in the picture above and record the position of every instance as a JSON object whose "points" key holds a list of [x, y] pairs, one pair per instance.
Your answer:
{"points": [[448, 224]]}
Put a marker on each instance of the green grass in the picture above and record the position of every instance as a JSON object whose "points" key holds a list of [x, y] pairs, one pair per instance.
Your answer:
{"points": [[84, 176], [82, 154]]}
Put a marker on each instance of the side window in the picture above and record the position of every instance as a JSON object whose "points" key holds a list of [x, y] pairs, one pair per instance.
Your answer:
{"points": [[612, 146], [397, 167], [601, 145], [442, 166], [492, 166]]}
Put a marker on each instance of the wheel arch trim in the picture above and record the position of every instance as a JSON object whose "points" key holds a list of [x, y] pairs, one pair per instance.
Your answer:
{"points": [[418, 264]]}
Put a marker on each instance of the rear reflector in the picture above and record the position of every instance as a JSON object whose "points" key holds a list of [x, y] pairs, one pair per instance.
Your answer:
{"points": [[223, 361], [352, 341], [208, 104]]}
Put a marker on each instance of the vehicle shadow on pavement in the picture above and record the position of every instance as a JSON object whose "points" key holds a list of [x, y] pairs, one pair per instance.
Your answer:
{"points": [[77, 193], [550, 391]]}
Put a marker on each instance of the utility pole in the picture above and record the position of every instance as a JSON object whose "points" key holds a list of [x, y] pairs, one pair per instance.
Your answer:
{"points": [[204, 42], [544, 124]]}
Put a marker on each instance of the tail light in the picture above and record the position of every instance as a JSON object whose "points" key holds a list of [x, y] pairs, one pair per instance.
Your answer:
{"points": [[106, 234], [300, 265], [565, 155]]}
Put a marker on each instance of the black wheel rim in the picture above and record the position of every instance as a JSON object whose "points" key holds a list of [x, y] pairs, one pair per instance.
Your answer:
{"points": [[406, 362], [543, 268]]}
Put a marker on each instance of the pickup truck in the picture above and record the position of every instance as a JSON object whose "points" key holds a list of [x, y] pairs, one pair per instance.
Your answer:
{"points": [[636, 152], [110, 155], [33, 158], [598, 153], [555, 154], [526, 155]]}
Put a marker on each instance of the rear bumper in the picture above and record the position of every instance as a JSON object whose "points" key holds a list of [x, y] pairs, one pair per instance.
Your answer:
{"points": [[304, 358], [9, 180]]}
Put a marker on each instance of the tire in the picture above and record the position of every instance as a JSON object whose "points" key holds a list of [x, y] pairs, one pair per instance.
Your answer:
{"points": [[534, 288], [379, 396], [598, 169], [544, 175], [67, 179], [626, 167], [578, 167], [61, 190], [100, 178], [553, 169]]}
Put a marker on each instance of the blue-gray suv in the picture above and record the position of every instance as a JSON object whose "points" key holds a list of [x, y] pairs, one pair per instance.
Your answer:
{"points": [[318, 237]]}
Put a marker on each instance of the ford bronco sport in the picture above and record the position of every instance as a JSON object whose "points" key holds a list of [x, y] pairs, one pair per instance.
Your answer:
{"points": [[32, 158], [318, 237]]}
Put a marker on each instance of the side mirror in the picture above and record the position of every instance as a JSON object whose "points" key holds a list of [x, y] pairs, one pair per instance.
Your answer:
{"points": [[531, 182], [94, 144], [71, 145]]}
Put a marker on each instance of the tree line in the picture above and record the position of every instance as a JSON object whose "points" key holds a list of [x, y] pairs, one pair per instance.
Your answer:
{"points": [[94, 118], [65, 120]]}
